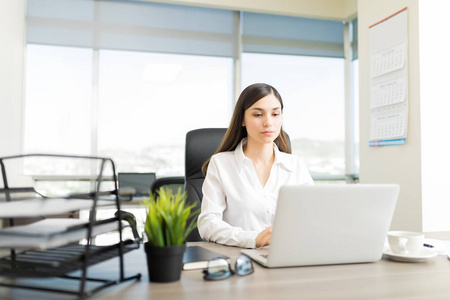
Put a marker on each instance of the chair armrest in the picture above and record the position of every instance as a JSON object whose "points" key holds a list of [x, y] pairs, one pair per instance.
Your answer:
{"points": [[131, 219]]}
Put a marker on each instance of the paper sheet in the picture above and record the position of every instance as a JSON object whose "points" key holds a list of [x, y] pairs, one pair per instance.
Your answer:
{"points": [[388, 92], [45, 207], [49, 233], [389, 60], [389, 123]]}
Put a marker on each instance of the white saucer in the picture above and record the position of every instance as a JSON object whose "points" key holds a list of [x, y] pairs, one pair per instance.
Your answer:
{"points": [[422, 256]]}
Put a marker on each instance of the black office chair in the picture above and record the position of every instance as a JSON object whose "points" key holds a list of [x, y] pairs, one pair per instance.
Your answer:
{"points": [[200, 145]]}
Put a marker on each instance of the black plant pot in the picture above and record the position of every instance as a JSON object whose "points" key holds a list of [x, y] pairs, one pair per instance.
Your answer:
{"points": [[164, 263]]}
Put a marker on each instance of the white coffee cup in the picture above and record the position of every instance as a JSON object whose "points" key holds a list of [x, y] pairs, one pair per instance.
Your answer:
{"points": [[405, 242]]}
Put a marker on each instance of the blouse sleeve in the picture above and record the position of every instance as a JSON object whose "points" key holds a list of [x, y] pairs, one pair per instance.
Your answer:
{"points": [[210, 223]]}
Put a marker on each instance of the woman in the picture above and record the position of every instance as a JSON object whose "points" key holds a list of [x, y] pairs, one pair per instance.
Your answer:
{"points": [[243, 178]]}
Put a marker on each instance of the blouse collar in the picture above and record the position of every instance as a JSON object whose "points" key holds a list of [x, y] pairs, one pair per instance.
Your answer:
{"points": [[281, 158]]}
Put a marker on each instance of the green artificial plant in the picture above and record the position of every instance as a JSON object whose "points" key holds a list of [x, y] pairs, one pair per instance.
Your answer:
{"points": [[169, 218]]}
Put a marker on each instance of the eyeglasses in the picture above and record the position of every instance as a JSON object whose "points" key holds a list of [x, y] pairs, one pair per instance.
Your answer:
{"points": [[219, 268]]}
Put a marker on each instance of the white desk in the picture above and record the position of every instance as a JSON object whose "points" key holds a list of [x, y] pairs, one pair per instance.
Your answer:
{"points": [[384, 279]]}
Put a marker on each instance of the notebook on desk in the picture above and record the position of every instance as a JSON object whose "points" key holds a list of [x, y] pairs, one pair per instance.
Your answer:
{"points": [[196, 257], [329, 224]]}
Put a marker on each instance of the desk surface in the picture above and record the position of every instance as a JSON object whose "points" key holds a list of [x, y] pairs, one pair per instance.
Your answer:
{"points": [[384, 279]]}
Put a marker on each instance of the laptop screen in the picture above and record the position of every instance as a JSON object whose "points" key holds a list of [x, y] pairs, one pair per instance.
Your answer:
{"points": [[141, 182]]}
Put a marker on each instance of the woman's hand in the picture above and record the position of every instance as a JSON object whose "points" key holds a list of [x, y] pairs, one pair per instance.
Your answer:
{"points": [[263, 238]]}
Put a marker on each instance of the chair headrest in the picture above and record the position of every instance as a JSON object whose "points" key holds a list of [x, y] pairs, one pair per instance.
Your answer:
{"points": [[200, 145]]}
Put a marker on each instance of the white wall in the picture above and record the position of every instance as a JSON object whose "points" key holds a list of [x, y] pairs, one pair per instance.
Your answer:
{"points": [[11, 75], [393, 164], [435, 107], [351, 9]]}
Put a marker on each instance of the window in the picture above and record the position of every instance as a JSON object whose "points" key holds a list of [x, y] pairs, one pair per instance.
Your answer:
{"points": [[58, 99], [312, 89], [128, 79], [149, 101]]}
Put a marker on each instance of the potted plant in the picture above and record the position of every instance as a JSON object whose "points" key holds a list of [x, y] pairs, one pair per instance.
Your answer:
{"points": [[169, 220]]}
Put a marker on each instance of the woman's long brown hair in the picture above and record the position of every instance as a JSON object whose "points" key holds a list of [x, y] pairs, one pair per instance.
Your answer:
{"points": [[236, 132]]}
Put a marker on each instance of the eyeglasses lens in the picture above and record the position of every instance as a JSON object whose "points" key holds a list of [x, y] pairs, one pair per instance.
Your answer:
{"points": [[218, 269], [244, 265]]}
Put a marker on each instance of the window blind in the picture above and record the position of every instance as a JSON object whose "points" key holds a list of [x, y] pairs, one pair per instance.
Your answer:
{"points": [[132, 25], [168, 28], [264, 33]]}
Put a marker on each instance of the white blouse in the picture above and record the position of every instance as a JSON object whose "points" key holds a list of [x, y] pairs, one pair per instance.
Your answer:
{"points": [[235, 206]]}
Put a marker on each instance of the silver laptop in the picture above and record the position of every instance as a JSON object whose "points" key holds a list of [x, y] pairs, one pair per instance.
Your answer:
{"points": [[329, 224]]}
